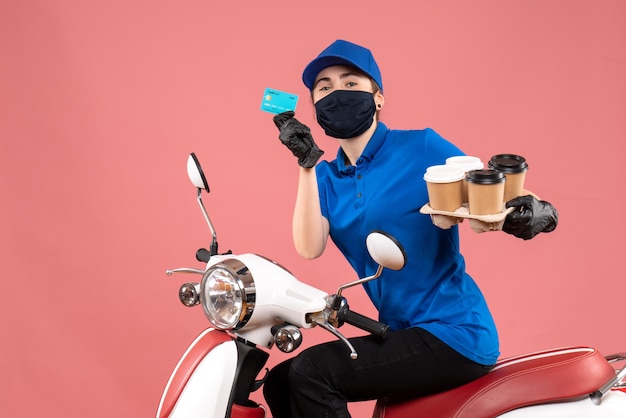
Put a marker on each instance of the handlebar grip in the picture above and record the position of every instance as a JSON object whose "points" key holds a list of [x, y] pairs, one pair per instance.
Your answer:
{"points": [[203, 255], [366, 324]]}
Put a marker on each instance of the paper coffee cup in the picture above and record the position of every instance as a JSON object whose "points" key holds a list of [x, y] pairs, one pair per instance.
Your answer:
{"points": [[466, 163], [514, 168], [485, 191], [445, 187]]}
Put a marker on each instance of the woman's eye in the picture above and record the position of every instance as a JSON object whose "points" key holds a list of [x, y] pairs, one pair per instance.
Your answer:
{"points": [[351, 84], [324, 88]]}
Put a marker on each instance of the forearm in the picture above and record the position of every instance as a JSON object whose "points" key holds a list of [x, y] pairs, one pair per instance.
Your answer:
{"points": [[310, 228]]}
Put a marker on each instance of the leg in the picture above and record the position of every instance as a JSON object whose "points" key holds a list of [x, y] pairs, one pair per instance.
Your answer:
{"points": [[409, 363], [276, 390]]}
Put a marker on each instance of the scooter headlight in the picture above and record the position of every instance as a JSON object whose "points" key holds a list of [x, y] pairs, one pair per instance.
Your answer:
{"points": [[227, 294]]}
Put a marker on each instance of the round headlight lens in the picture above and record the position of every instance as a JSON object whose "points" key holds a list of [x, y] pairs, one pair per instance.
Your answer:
{"points": [[222, 297]]}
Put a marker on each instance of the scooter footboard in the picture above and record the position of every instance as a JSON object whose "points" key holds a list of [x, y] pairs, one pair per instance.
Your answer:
{"points": [[239, 411]]}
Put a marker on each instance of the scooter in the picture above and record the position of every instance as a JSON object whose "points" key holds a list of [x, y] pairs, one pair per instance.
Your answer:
{"points": [[254, 304]]}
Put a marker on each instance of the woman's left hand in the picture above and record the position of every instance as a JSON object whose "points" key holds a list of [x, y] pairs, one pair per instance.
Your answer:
{"points": [[530, 217]]}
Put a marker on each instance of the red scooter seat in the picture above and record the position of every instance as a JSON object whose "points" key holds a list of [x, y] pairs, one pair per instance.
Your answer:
{"points": [[548, 376]]}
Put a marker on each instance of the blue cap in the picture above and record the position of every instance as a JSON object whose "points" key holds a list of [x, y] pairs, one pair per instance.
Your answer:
{"points": [[343, 53]]}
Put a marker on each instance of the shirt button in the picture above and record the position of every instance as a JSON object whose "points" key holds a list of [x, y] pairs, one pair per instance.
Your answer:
{"points": [[360, 176], [359, 195]]}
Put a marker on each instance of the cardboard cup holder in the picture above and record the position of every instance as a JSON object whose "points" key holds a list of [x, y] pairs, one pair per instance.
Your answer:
{"points": [[478, 223]]}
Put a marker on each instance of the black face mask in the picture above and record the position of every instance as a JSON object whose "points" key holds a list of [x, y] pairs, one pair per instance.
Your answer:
{"points": [[346, 113]]}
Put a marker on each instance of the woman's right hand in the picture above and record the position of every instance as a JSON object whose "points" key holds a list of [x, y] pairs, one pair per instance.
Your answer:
{"points": [[297, 137]]}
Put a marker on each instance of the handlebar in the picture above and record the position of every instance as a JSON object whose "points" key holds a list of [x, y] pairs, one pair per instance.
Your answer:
{"points": [[342, 313], [366, 324], [338, 313], [203, 255]]}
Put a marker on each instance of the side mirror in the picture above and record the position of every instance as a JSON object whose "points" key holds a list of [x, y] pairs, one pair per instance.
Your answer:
{"points": [[386, 250], [195, 173]]}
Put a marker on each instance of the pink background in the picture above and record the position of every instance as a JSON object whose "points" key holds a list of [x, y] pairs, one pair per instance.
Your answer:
{"points": [[101, 102]]}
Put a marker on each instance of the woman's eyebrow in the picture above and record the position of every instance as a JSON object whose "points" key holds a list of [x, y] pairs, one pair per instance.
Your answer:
{"points": [[345, 75], [341, 76], [321, 79]]}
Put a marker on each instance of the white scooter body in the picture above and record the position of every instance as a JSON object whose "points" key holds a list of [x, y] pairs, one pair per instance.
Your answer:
{"points": [[613, 406], [207, 391], [201, 384], [218, 371], [202, 381]]}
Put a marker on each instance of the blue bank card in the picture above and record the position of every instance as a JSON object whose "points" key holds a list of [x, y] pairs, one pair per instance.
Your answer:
{"points": [[276, 101]]}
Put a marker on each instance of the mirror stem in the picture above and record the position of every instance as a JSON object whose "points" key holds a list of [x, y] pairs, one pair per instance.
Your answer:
{"points": [[208, 221], [361, 281]]}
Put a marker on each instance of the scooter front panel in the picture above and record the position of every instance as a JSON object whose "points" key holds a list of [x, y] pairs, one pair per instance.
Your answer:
{"points": [[201, 382]]}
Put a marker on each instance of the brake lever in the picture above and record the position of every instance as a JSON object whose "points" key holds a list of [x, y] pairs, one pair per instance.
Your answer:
{"points": [[184, 270], [320, 319]]}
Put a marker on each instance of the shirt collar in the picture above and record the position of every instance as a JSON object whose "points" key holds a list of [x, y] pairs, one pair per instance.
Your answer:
{"points": [[372, 147]]}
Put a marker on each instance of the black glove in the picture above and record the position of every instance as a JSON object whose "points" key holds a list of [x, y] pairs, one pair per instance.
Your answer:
{"points": [[530, 217], [297, 137]]}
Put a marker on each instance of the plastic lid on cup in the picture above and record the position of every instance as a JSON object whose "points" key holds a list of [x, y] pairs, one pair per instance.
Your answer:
{"points": [[508, 163], [443, 174], [485, 177], [466, 162]]}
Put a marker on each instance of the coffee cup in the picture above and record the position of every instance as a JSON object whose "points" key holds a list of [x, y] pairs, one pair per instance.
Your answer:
{"points": [[485, 191], [445, 187], [514, 168], [466, 163]]}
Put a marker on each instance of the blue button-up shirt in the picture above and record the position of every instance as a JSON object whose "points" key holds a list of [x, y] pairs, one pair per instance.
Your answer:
{"points": [[385, 191]]}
